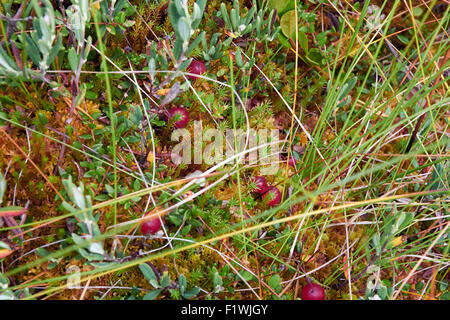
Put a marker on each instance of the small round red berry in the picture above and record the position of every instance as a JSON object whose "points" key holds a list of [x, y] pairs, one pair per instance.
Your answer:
{"points": [[181, 117], [260, 184], [151, 226], [313, 291], [272, 196], [196, 67]]}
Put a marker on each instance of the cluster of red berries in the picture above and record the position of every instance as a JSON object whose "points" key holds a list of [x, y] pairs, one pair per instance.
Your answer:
{"points": [[179, 115], [180, 118], [270, 194]]}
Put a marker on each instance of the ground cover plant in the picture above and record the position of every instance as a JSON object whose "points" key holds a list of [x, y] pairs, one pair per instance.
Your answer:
{"points": [[291, 150]]}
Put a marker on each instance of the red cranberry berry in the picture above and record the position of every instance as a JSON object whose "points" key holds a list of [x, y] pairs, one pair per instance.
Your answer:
{"points": [[181, 117], [196, 67], [313, 291], [272, 196], [151, 226], [260, 183]]}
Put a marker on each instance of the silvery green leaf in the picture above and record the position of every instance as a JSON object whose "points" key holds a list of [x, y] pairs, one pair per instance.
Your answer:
{"points": [[248, 29], [225, 17], [399, 221], [79, 197], [182, 283], [197, 17], [77, 239], [80, 98], [174, 15], [31, 49], [178, 49], [46, 35], [376, 243], [196, 13], [236, 6], [163, 61], [258, 26], [218, 53], [149, 274], [7, 295], [118, 6], [347, 87], [165, 280], [373, 269], [37, 7], [191, 293], [217, 281], [87, 197], [129, 23], [44, 49], [204, 44], [275, 34], [184, 86], [227, 42], [179, 7], [69, 207], [344, 102], [136, 115], [54, 51], [96, 247], [185, 65], [238, 58], [184, 29], [202, 5], [211, 51], [87, 47], [73, 59], [151, 295], [214, 38], [4, 281], [4, 245], [109, 189], [7, 63], [270, 19], [195, 43], [250, 16], [234, 19], [409, 217], [84, 9], [90, 256]]}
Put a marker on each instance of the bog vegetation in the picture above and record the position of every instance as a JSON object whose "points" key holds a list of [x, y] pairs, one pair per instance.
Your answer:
{"points": [[92, 205]]}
